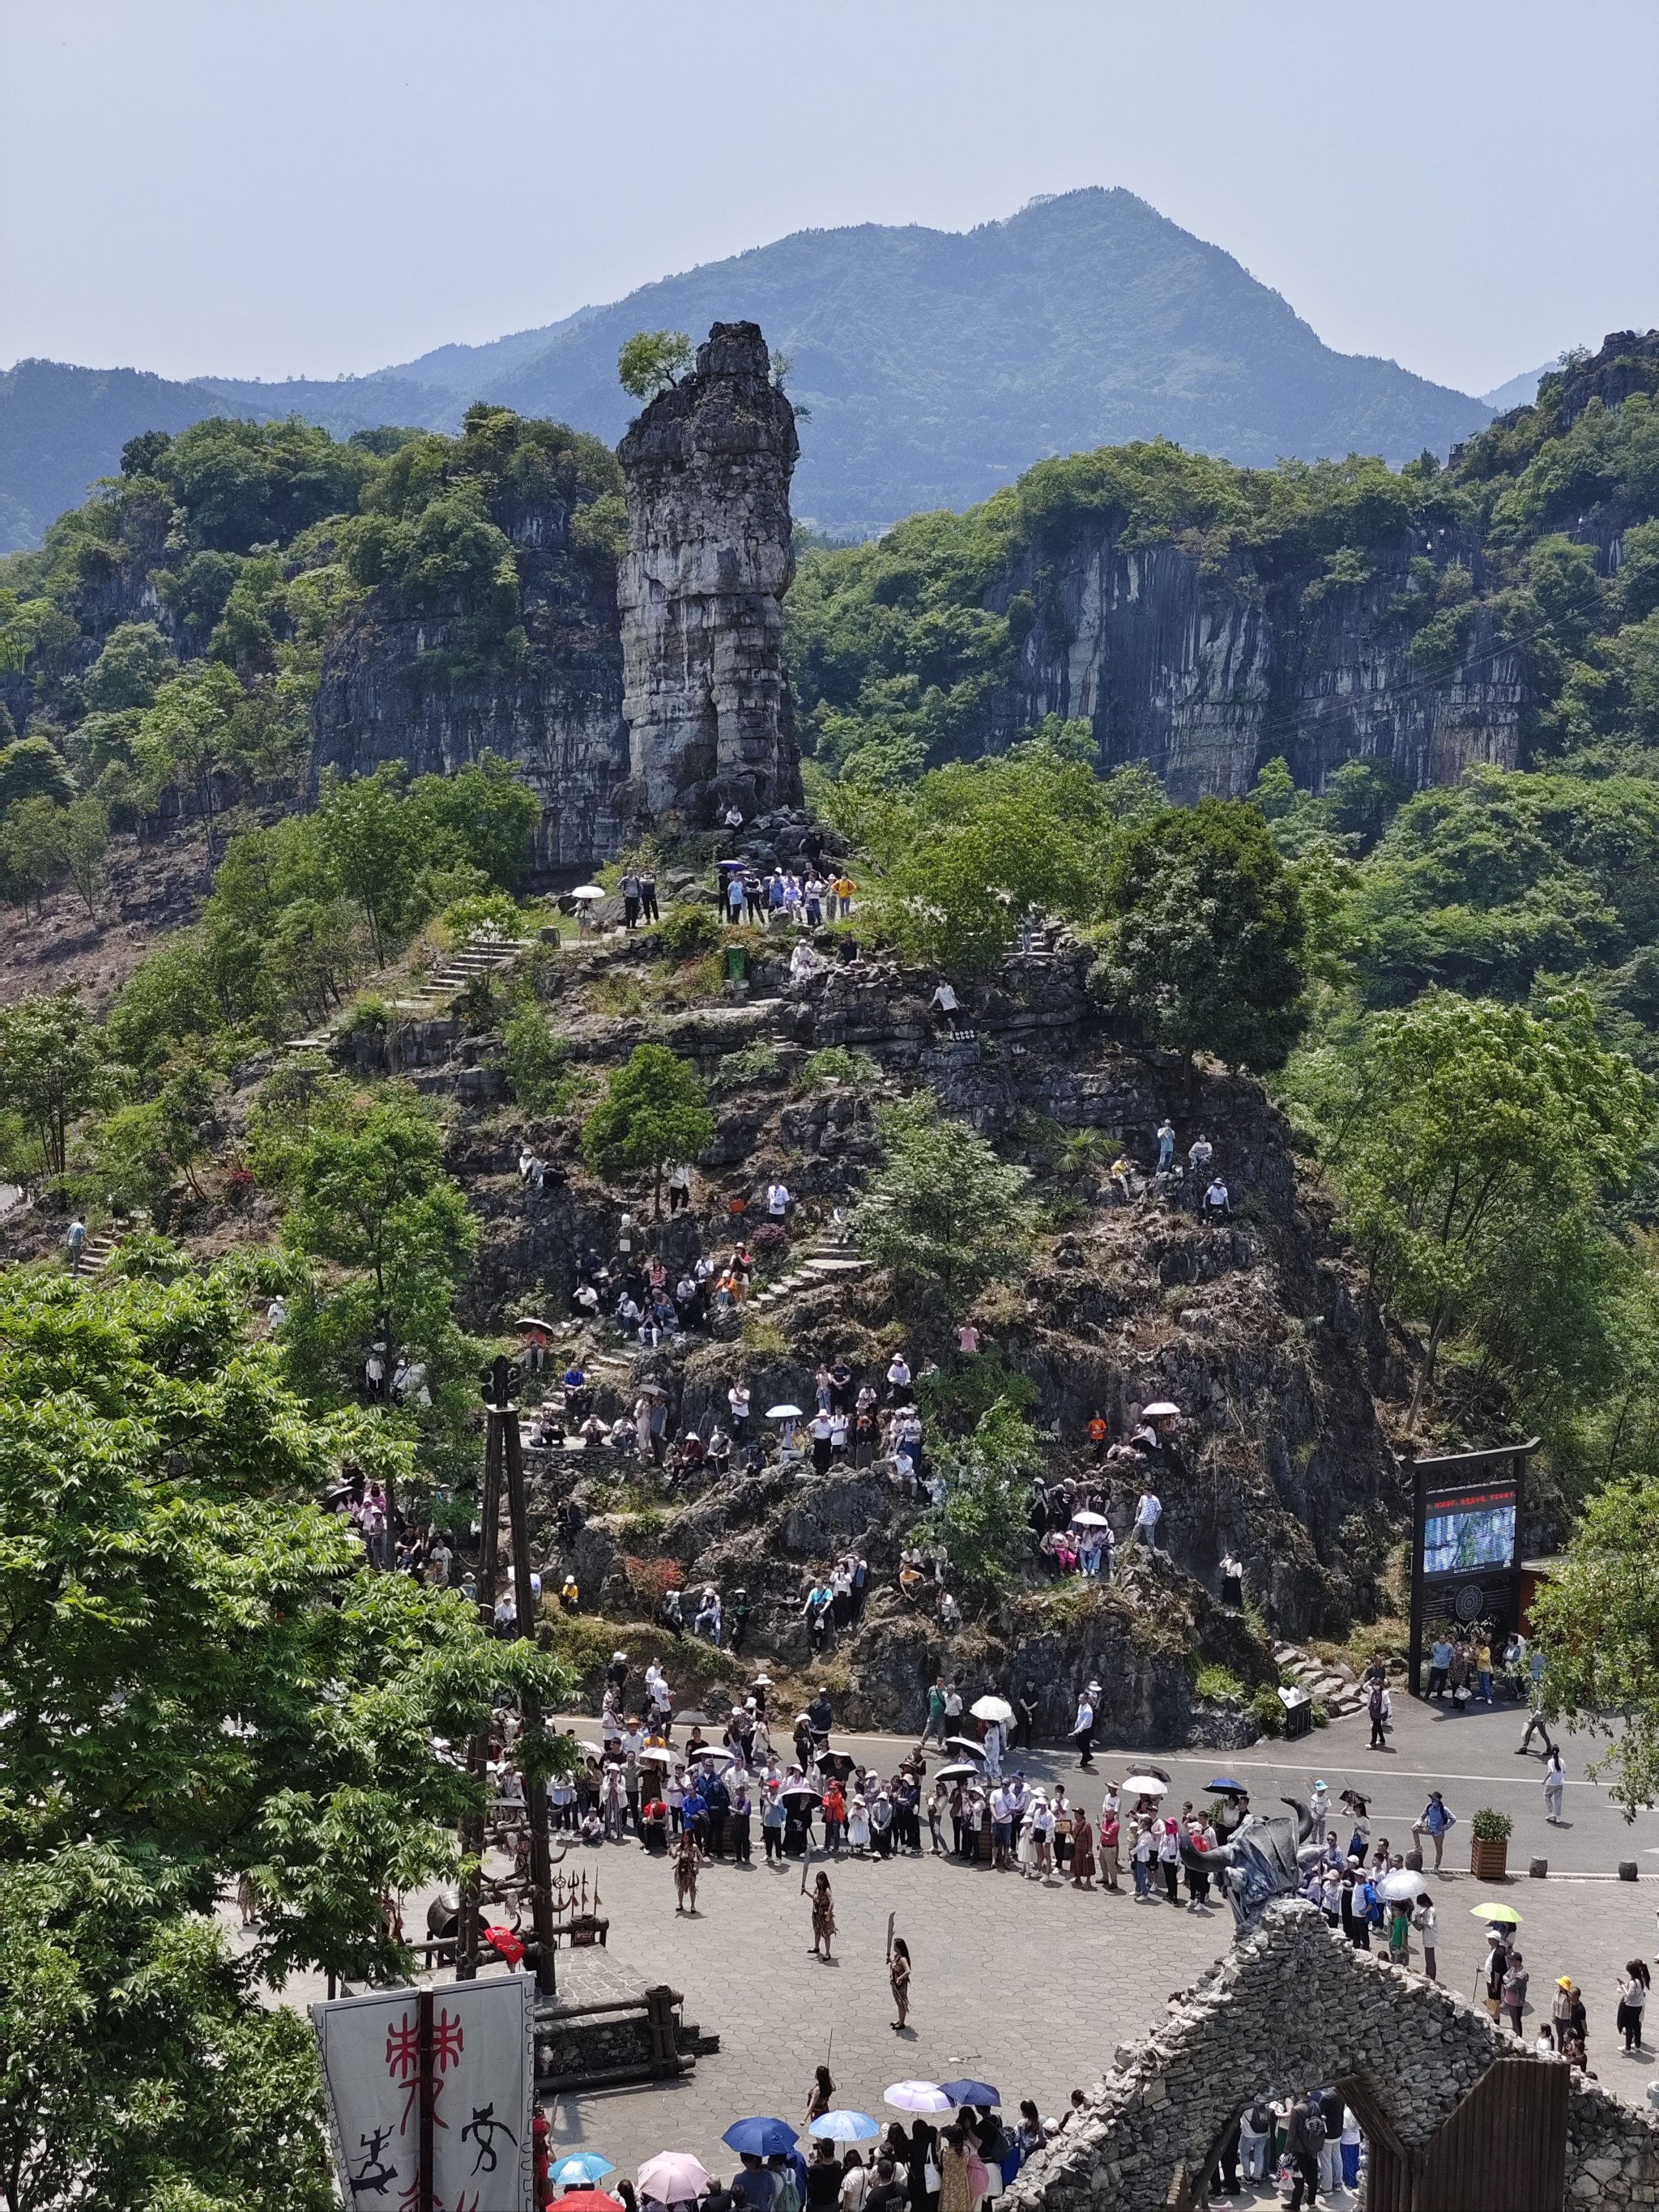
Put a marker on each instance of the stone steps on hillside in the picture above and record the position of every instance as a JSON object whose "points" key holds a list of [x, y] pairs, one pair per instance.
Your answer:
{"points": [[1335, 1686]]}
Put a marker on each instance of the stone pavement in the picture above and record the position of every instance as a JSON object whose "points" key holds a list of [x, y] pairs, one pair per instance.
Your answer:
{"points": [[1033, 1988]]}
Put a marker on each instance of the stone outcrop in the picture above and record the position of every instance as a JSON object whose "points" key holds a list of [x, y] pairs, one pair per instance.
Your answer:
{"points": [[700, 591], [1294, 2005], [402, 683], [1206, 679]]}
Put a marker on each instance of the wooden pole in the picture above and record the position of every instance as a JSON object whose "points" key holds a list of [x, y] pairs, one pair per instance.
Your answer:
{"points": [[541, 1866], [468, 1934], [427, 2094]]}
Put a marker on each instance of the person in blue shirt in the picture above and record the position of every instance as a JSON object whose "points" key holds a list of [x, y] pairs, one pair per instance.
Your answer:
{"points": [[693, 1814]]}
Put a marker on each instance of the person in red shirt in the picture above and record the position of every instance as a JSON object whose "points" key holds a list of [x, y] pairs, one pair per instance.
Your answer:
{"points": [[835, 1817]]}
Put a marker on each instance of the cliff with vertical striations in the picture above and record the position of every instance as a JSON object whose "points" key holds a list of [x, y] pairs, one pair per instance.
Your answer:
{"points": [[707, 468]]}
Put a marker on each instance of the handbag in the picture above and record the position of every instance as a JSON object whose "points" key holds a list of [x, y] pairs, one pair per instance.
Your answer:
{"points": [[931, 2179]]}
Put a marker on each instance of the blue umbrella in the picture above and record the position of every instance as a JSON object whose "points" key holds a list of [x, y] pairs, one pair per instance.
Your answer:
{"points": [[582, 2166], [845, 2127], [971, 2092], [1236, 1789], [760, 2138]]}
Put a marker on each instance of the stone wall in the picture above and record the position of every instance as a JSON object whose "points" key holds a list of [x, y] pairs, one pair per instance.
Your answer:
{"points": [[1294, 2005], [700, 591]]}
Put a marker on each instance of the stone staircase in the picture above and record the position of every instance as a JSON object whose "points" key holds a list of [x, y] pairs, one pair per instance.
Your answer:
{"points": [[481, 955], [823, 1260], [1335, 1687], [97, 1253]]}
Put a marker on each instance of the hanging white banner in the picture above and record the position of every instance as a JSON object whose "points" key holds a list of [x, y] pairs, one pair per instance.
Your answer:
{"points": [[483, 2077]]}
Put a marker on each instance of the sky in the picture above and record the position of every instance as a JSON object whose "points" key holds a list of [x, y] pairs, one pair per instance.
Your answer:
{"points": [[276, 187]]}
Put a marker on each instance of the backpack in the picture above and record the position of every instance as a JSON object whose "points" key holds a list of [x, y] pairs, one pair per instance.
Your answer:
{"points": [[787, 2197], [1262, 2119], [1313, 2131]]}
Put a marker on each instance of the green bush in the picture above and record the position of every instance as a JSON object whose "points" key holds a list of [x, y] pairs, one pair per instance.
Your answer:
{"points": [[535, 1058], [1269, 1713], [837, 1064], [756, 1063], [686, 932], [1492, 1827], [1219, 1686]]}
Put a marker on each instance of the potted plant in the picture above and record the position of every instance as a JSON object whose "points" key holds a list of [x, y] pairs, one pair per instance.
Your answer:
{"points": [[1489, 1844]]}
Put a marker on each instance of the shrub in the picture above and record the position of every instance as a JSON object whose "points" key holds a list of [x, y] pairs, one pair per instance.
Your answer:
{"points": [[686, 933], [756, 1063], [485, 914], [1269, 1713], [837, 1064], [650, 1580], [1492, 1827], [535, 1058], [1219, 1686]]}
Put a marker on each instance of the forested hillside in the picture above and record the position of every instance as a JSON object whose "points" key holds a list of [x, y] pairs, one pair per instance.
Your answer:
{"points": [[937, 365]]}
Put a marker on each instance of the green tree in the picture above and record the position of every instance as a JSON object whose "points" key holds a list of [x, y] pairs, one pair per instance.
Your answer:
{"points": [[1596, 1620], [535, 1060], [361, 833], [53, 1068], [136, 659], [33, 851], [482, 815], [943, 1212], [370, 1196], [187, 737], [34, 769], [200, 1683], [1204, 946], [85, 842], [652, 360], [1469, 1140], [654, 1111], [982, 1520]]}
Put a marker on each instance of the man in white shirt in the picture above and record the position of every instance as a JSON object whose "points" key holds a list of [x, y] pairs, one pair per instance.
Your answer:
{"points": [[1149, 1511], [777, 1200], [1083, 1730], [944, 1003]]}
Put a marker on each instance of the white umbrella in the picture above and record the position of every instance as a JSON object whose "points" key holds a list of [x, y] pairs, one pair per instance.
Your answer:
{"points": [[1150, 1783], [673, 2177], [783, 1413], [1157, 1411], [1399, 1887], [590, 890], [656, 1757], [992, 1708], [917, 2097], [1085, 1520]]}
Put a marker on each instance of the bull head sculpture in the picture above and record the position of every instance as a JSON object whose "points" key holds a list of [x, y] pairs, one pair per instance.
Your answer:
{"points": [[1262, 1859]]}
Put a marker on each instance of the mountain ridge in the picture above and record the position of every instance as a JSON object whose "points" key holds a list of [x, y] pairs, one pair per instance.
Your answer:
{"points": [[936, 364]]}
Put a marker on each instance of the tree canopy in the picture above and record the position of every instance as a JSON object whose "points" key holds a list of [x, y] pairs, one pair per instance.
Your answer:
{"points": [[942, 1210], [654, 1111]]}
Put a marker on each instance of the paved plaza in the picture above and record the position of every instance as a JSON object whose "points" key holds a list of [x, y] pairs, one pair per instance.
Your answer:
{"points": [[1032, 1987]]}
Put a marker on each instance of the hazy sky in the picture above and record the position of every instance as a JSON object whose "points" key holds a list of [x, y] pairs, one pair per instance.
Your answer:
{"points": [[267, 187]]}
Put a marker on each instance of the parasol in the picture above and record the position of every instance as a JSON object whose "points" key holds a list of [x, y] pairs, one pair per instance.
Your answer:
{"points": [[1085, 1519], [1159, 1410], [802, 1790], [714, 1754], [588, 2200], [598, 1749], [762, 2138], [1230, 1788], [992, 1708], [971, 1744], [838, 1763], [844, 2127], [581, 2166], [693, 1720], [916, 2097], [673, 2177], [1149, 1783], [656, 1756], [1401, 1886], [784, 1413], [1497, 1912], [589, 890], [971, 2092], [958, 1770], [533, 1321]]}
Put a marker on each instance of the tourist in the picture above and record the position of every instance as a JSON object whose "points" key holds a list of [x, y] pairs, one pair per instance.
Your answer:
{"points": [[1109, 1835], [1555, 1781], [1232, 1580], [1255, 2132], [1515, 1998], [823, 1916], [1166, 1145], [1149, 1511], [1535, 1721], [1305, 2139], [1436, 1822], [1376, 1709], [1083, 1730], [1427, 1923], [687, 1859], [820, 2099], [898, 1976], [1083, 1851], [1632, 2003]]}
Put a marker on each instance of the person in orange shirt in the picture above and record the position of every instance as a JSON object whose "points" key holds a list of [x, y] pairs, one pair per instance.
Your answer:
{"points": [[835, 1817], [842, 890], [1097, 1433]]}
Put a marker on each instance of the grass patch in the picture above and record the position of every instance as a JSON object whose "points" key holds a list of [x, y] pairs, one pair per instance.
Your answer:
{"points": [[1219, 1686]]}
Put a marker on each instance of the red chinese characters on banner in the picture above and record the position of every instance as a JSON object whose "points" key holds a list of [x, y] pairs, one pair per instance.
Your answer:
{"points": [[402, 2061]]}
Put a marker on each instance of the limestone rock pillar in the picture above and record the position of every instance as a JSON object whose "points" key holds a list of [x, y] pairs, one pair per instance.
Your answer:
{"points": [[706, 467]]}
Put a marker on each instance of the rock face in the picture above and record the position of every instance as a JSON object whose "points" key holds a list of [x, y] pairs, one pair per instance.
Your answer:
{"points": [[1293, 2003], [706, 698], [1204, 680], [399, 684]]}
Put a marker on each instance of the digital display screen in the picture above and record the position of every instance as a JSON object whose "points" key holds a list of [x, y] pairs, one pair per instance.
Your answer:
{"points": [[1466, 1529]]}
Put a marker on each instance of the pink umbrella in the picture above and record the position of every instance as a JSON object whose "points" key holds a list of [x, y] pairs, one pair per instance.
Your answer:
{"points": [[673, 2177], [917, 2097]]}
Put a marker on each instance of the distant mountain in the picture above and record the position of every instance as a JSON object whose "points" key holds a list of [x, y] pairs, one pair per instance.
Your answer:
{"points": [[1520, 391], [937, 365]]}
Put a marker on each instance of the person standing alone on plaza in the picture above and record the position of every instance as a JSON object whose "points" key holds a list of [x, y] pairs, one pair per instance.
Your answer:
{"points": [[1083, 1727], [1555, 1781], [898, 1976]]}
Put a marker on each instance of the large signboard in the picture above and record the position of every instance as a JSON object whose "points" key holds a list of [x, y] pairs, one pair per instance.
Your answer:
{"points": [[1466, 1554], [443, 2078]]}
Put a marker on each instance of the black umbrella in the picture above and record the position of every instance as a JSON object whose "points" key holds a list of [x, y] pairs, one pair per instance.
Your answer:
{"points": [[693, 1720], [838, 1763], [801, 1790], [1230, 1788], [971, 1744]]}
